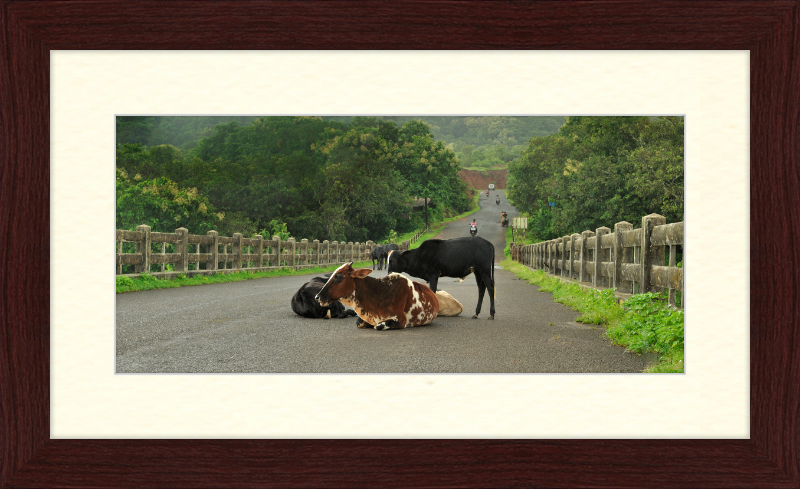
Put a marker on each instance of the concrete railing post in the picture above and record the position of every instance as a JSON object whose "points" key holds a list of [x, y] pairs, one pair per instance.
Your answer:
{"points": [[650, 255], [259, 250], [619, 257], [539, 255], [182, 248], [316, 254], [237, 251], [573, 249], [278, 250], [597, 279], [143, 247], [584, 252], [291, 248], [557, 258], [213, 248]]}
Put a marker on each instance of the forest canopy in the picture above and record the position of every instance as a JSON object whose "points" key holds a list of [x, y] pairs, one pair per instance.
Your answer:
{"points": [[597, 171], [354, 178], [318, 179]]}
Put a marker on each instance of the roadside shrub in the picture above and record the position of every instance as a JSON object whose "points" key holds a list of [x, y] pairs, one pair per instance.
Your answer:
{"points": [[147, 278], [600, 307], [649, 324], [124, 281]]}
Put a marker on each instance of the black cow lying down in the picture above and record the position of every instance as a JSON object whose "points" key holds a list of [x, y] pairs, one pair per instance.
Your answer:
{"points": [[303, 302], [450, 258]]}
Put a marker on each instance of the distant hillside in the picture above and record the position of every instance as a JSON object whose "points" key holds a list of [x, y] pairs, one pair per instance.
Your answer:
{"points": [[481, 141], [478, 141], [180, 131]]}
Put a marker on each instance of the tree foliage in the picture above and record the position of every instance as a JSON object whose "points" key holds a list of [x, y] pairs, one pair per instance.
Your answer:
{"points": [[324, 179], [599, 171], [163, 205]]}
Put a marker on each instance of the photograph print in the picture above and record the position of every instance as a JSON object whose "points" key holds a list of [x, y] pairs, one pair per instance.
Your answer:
{"points": [[399, 244]]}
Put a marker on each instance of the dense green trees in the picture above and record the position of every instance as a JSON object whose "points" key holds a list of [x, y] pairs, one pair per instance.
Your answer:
{"points": [[323, 179], [480, 141], [354, 178], [163, 205], [599, 171]]}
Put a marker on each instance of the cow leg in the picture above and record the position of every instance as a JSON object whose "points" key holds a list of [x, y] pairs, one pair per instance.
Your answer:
{"points": [[481, 289], [388, 324], [489, 283], [432, 282]]}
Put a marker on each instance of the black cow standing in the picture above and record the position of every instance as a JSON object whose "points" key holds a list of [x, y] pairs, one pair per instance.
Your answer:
{"points": [[378, 254], [450, 258], [303, 302], [390, 247]]}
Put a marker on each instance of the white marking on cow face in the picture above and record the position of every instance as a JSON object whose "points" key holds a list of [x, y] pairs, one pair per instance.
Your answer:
{"points": [[327, 285], [334, 274]]}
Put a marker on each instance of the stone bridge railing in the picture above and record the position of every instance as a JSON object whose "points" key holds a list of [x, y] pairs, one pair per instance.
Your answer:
{"points": [[208, 254], [632, 261]]}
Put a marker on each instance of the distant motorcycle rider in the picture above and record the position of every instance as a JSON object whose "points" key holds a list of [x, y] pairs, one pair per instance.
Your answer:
{"points": [[473, 228]]}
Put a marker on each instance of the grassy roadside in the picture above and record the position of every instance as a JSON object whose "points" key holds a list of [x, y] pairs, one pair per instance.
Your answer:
{"points": [[149, 282], [643, 323]]}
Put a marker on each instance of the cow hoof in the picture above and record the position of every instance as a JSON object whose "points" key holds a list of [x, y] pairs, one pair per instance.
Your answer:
{"points": [[491, 317], [474, 316], [382, 327]]}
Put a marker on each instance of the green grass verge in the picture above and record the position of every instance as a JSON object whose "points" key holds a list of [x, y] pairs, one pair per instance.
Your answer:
{"points": [[149, 282], [643, 323]]}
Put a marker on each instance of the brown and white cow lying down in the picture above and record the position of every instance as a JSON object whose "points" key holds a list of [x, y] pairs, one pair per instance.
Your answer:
{"points": [[390, 302]]}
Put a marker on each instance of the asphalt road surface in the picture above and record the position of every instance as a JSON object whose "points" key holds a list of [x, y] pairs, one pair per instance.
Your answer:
{"points": [[249, 326]]}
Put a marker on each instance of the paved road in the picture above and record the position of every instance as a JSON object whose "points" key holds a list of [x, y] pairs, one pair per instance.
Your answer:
{"points": [[249, 326]]}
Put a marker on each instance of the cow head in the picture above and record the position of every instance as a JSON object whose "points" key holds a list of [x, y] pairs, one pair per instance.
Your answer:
{"points": [[396, 262], [341, 284]]}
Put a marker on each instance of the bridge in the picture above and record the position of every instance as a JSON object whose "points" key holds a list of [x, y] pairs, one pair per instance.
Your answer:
{"points": [[249, 327]]}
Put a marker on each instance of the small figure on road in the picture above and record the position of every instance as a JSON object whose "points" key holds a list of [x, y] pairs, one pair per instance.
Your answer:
{"points": [[504, 219], [473, 228], [497, 199]]}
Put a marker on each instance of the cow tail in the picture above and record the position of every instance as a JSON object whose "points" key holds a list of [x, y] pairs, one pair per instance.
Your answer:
{"points": [[494, 285]]}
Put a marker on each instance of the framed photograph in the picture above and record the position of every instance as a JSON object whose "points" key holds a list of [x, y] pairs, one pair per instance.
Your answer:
{"points": [[43, 449]]}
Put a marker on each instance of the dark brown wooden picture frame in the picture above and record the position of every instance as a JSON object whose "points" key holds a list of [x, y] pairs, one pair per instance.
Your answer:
{"points": [[770, 30]]}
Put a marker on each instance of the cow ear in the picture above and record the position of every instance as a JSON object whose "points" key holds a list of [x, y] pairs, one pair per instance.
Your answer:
{"points": [[362, 272]]}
